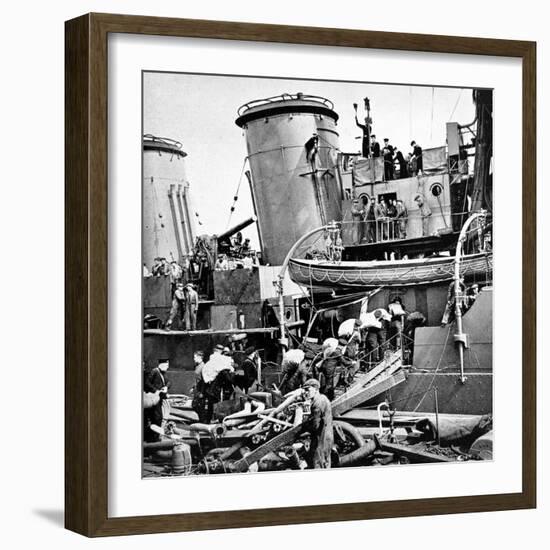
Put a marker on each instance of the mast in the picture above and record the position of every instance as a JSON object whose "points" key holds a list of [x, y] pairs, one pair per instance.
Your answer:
{"points": [[482, 192], [369, 123]]}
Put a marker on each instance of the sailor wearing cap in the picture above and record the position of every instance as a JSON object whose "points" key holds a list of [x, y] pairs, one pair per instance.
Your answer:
{"points": [[319, 425], [191, 307], [388, 160], [218, 348], [178, 306], [358, 216], [425, 213], [157, 409], [250, 368]]}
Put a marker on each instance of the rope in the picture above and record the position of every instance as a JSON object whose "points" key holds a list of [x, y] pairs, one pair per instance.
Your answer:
{"points": [[436, 369], [432, 115], [456, 105], [236, 195]]}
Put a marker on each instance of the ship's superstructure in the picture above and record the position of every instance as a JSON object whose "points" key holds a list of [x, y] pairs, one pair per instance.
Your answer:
{"points": [[168, 221]]}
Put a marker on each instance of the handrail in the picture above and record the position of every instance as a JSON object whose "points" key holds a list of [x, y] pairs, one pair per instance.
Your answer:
{"points": [[385, 229], [280, 278], [460, 337], [283, 97], [384, 345], [164, 141]]}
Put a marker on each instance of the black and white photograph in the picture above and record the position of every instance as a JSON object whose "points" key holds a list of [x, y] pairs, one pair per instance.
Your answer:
{"points": [[317, 274]]}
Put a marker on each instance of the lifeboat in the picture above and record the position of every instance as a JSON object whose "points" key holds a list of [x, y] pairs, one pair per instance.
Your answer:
{"points": [[376, 273]]}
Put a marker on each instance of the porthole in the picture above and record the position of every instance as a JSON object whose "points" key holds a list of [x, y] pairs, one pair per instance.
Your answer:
{"points": [[364, 198], [436, 189]]}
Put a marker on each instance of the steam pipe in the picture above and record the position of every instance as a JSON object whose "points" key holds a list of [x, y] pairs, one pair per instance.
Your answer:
{"points": [[353, 458]]}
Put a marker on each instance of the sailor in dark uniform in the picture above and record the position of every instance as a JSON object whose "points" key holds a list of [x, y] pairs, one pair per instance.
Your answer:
{"points": [[319, 425]]}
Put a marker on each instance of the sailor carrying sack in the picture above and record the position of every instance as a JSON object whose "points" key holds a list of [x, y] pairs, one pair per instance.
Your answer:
{"points": [[150, 399]]}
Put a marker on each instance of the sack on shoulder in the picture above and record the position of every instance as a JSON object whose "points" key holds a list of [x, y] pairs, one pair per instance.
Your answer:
{"points": [[150, 399]]}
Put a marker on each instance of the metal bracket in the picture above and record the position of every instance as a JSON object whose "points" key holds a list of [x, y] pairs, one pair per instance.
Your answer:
{"points": [[462, 338]]}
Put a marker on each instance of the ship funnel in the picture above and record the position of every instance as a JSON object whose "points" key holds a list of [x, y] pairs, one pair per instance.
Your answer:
{"points": [[168, 226], [293, 147]]}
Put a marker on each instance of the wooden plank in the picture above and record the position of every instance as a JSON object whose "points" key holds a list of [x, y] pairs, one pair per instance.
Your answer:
{"points": [[369, 392], [369, 377], [400, 417], [411, 453], [285, 438], [267, 330]]}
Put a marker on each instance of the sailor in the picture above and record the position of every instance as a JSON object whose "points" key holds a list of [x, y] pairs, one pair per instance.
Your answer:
{"points": [[218, 374], [186, 274], [425, 213], [221, 263], [237, 240], [338, 247], [387, 151], [164, 267], [381, 215], [403, 165], [200, 400], [401, 220], [370, 217], [327, 243], [248, 262], [155, 383], [329, 369], [375, 325], [178, 306], [250, 369], [245, 248], [319, 425], [365, 146], [312, 149], [351, 353], [334, 365], [413, 320], [397, 312], [392, 216], [191, 307], [416, 159], [294, 371], [471, 294], [176, 275], [156, 268], [450, 307], [374, 146], [358, 216]]}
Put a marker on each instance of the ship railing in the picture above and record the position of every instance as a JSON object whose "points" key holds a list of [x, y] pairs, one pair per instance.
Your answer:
{"points": [[398, 228], [382, 229], [329, 242], [284, 97], [386, 229], [398, 342], [151, 139]]}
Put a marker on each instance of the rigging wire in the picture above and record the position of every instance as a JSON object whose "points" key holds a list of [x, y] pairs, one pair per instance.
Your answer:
{"points": [[410, 111], [432, 115], [236, 195], [456, 105]]}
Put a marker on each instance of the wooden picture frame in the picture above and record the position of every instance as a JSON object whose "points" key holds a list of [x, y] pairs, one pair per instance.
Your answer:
{"points": [[86, 424]]}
